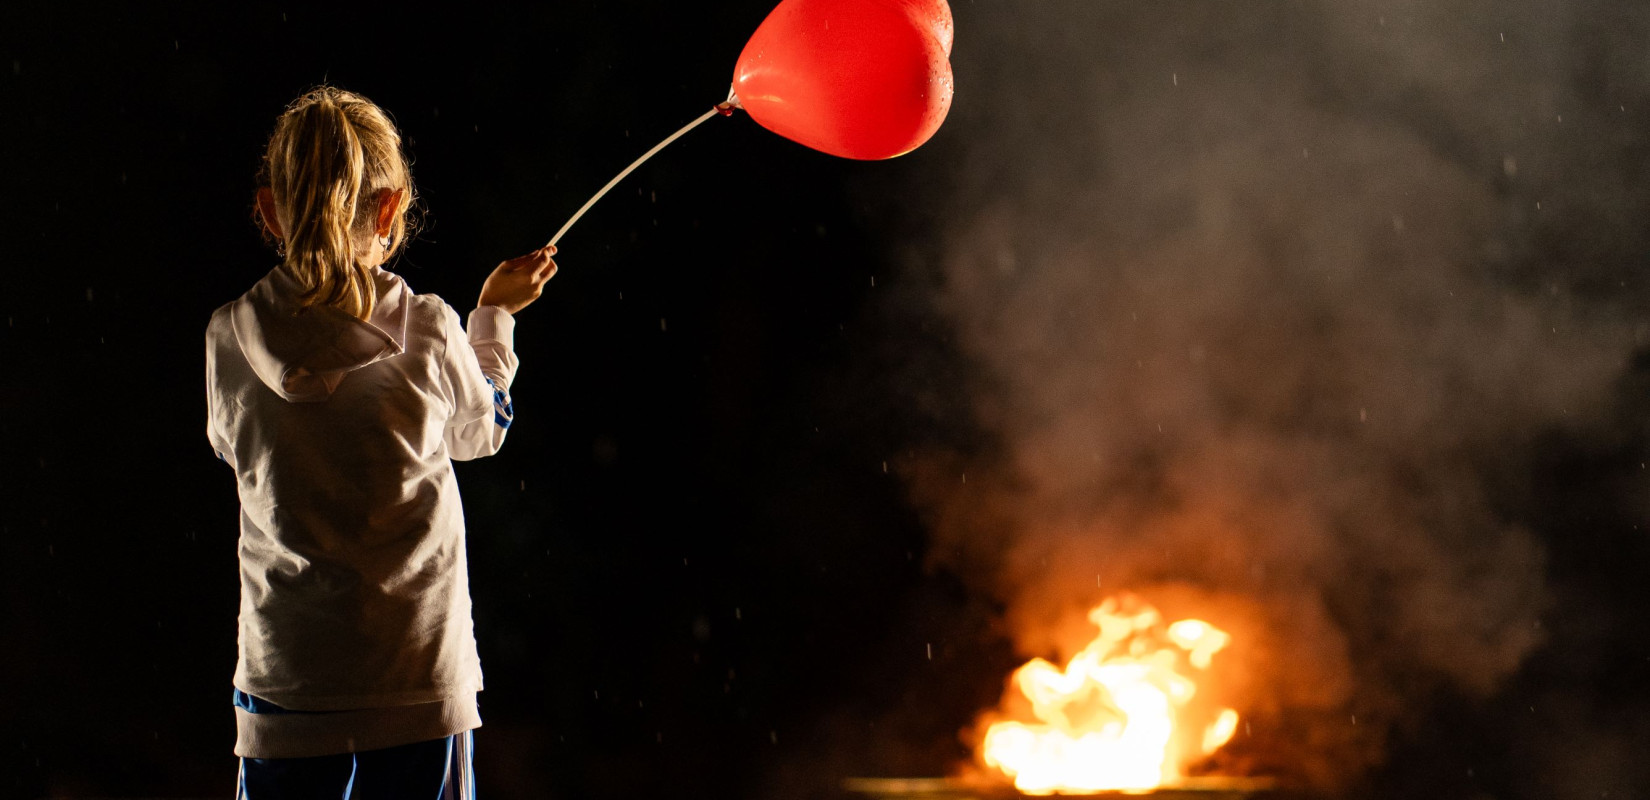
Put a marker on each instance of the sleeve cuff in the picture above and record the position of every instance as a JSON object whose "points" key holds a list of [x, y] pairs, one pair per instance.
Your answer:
{"points": [[492, 324]]}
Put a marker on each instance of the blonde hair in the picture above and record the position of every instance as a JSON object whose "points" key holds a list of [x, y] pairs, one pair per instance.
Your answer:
{"points": [[330, 155]]}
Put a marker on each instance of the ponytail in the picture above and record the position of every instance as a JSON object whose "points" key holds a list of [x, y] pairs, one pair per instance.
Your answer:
{"points": [[330, 156]]}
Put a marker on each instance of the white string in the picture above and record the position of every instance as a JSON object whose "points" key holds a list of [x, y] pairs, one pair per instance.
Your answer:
{"points": [[632, 168]]}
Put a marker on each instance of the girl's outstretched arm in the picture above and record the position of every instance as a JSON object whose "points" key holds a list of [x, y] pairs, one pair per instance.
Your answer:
{"points": [[480, 373]]}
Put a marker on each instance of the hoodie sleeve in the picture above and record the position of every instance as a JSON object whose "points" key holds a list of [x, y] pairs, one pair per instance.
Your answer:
{"points": [[221, 446], [479, 367]]}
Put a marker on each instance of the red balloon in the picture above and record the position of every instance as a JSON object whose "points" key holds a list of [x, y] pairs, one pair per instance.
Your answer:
{"points": [[936, 14], [865, 79]]}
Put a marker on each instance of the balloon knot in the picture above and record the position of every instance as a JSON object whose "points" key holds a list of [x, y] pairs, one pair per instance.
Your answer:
{"points": [[725, 109]]}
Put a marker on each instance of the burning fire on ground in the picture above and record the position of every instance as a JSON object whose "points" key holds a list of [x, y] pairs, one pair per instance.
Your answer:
{"points": [[1120, 715]]}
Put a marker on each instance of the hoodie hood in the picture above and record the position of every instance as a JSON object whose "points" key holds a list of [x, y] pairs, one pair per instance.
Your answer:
{"points": [[302, 355]]}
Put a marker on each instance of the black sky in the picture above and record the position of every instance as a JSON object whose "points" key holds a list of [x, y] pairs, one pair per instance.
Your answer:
{"points": [[696, 564]]}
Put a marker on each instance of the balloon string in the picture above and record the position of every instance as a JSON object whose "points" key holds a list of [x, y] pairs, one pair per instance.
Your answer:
{"points": [[633, 165]]}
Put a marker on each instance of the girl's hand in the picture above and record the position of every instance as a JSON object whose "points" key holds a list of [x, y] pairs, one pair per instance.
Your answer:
{"points": [[516, 283]]}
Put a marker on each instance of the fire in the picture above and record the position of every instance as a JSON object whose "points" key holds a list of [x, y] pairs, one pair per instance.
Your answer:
{"points": [[1118, 716]]}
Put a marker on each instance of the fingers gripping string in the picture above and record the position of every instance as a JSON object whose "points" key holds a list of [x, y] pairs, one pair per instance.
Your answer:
{"points": [[725, 109]]}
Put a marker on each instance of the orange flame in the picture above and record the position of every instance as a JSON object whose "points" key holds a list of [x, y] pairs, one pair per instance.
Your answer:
{"points": [[1116, 717]]}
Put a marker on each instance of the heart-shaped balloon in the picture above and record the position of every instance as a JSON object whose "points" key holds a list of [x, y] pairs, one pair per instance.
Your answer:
{"points": [[865, 79]]}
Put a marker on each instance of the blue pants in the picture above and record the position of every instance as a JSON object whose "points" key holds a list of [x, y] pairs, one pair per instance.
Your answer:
{"points": [[439, 769]]}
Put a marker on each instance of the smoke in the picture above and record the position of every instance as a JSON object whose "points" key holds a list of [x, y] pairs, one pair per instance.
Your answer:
{"points": [[1268, 307]]}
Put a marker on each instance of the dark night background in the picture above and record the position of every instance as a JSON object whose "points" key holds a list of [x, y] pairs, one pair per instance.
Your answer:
{"points": [[699, 566]]}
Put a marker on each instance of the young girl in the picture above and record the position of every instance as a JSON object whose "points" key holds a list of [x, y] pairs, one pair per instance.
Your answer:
{"points": [[340, 398]]}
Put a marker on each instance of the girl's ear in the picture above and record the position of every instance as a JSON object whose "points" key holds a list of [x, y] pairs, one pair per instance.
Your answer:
{"points": [[389, 204], [266, 212]]}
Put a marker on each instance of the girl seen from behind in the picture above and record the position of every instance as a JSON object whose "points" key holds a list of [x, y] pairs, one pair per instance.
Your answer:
{"points": [[340, 398]]}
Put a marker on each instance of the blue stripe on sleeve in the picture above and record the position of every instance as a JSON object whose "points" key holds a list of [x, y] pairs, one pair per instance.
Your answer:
{"points": [[503, 411]]}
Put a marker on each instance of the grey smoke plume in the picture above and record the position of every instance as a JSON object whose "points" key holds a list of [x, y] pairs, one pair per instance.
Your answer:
{"points": [[1267, 319]]}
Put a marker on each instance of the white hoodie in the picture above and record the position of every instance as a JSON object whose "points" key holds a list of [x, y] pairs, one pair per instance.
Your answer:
{"points": [[354, 592]]}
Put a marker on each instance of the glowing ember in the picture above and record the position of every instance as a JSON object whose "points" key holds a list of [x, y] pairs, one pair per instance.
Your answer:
{"points": [[1117, 717]]}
